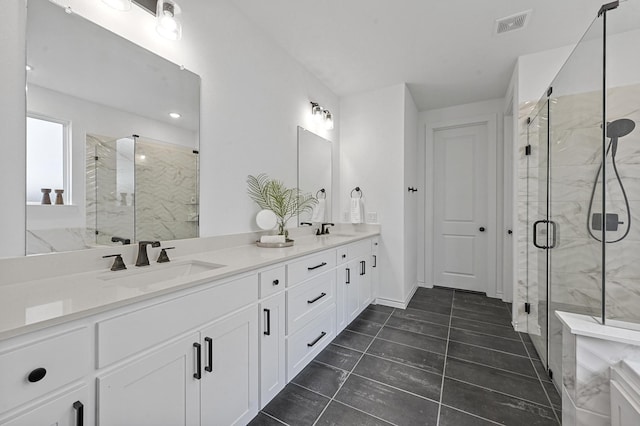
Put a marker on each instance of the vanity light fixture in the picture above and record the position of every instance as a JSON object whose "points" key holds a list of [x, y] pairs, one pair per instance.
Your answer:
{"points": [[174, 115], [328, 119], [316, 111], [168, 23], [121, 5]]}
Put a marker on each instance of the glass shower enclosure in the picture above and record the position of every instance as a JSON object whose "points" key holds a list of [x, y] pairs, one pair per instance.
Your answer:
{"points": [[581, 186]]}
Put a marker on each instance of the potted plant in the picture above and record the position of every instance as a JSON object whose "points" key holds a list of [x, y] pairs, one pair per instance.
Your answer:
{"points": [[272, 194]]}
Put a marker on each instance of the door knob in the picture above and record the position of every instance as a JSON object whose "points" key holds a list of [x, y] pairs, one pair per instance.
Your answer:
{"points": [[481, 229]]}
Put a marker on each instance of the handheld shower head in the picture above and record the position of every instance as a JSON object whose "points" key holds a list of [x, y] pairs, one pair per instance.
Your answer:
{"points": [[617, 129]]}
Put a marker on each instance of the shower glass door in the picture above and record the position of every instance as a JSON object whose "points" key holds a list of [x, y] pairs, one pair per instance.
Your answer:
{"points": [[537, 172]]}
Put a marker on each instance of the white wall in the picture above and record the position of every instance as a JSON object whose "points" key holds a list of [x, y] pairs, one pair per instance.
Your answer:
{"points": [[12, 128], [455, 114], [372, 157], [410, 198], [253, 98]]}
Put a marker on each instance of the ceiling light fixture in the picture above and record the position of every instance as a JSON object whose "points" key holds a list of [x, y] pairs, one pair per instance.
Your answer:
{"points": [[168, 19], [174, 115], [121, 5]]}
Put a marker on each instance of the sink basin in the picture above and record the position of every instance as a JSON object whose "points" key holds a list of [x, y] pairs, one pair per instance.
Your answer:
{"points": [[156, 273]]}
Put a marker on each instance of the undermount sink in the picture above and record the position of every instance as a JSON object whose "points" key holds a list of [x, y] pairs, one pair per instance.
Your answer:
{"points": [[155, 273]]}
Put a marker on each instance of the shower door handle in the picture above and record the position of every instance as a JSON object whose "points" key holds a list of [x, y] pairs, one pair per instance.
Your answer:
{"points": [[553, 234], [535, 233]]}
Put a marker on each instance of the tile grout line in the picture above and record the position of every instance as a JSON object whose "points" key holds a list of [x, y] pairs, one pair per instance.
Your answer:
{"points": [[444, 367], [274, 418], [544, 389], [471, 414], [354, 367]]}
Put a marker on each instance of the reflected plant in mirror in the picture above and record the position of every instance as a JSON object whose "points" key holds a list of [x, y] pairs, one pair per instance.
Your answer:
{"points": [[272, 194], [96, 92]]}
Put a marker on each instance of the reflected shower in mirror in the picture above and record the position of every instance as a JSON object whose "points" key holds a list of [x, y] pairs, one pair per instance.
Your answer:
{"points": [[314, 174], [84, 82]]}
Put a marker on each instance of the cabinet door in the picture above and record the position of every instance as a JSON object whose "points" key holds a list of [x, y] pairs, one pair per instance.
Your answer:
{"points": [[230, 377], [352, 292], [66, 410], [159, 389], [364, 272], [272, 348]]}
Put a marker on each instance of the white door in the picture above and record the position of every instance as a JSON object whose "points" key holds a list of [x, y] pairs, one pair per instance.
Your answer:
{"points": [[460, 207], [157, 390], [273, 374], [229, 388]]}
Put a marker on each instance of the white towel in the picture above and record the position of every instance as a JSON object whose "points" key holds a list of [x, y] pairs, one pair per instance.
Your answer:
{"points": [[272, 239], [318, 211], [357, 210]]}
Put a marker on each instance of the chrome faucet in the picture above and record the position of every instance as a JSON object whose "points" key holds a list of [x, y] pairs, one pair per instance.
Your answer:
{"points": [[143, 258]]}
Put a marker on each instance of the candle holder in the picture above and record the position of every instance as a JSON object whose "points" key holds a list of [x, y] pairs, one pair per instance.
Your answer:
{"points": [[46, 199], [59, 200]]}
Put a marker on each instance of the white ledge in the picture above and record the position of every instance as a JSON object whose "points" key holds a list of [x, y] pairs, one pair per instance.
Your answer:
{"points": [[585, 325]]}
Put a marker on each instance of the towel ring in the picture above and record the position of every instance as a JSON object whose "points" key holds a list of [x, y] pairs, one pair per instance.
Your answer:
{"points": [[321, 191], [356, 189]]}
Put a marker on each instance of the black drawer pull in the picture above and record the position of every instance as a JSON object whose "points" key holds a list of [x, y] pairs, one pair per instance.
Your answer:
{"points": [[267, 332], [37, 375], [348, 276], [375, 261], [317, 266], [198, 374], [317, 298], [209, 341], [363, 266], [276, 282], [79, 407], [344, 256], [317, 339]]}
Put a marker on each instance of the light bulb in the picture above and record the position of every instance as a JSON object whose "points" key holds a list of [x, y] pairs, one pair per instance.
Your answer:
{"points": [[167, 20]]}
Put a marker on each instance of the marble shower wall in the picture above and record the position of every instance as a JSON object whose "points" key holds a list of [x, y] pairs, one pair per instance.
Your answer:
{"points": [[166, 191]]}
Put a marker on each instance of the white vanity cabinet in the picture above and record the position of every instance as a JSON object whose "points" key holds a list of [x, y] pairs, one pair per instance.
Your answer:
{"points": [[67, 409], [207, 376]]}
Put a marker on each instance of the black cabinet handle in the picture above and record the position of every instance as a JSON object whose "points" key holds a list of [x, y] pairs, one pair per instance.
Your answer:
{"points": [[348, 276], [481, 229], [317, 298], [375, 261], [363, 266], [198, 374], [344, 256], [37, 375], [317, 266], [267, 332], [276, 282], [209, 341], [317, 339], [79, 407]]}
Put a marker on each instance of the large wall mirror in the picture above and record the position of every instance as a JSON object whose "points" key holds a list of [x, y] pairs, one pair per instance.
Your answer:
{"points": [[314, 174], [115, 129]]}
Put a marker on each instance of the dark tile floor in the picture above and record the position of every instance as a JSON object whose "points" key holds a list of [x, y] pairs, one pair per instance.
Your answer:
{"points": [[450, 359]]}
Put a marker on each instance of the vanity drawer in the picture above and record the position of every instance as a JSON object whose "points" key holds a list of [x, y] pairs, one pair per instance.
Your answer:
{"points": [[33, 370], [272, 281], [304, 345], [127, 334], [310, 266], [304, 302]]}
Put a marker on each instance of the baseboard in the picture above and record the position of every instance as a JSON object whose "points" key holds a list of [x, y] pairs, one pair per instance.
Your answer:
{"points": [[393, 303]]}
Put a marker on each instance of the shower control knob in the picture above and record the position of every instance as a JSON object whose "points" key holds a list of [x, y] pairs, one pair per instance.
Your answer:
{"points": [[481, 229]]}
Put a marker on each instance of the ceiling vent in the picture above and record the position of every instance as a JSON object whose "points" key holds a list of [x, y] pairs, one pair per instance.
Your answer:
{"points": [[513, 22]]}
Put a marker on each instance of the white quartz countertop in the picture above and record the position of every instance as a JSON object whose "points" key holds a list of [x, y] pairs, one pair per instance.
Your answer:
{"points": [[31, 305], [585, 325]]}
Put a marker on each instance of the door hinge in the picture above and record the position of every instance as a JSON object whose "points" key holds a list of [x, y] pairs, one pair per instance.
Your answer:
{"points": [[95, 158], [528, 120], [550, 374], [97, 233], [527, 150], [527, 307], [549, 91]]}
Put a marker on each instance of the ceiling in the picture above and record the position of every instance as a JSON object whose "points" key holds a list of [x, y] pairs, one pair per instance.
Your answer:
{"points": [[446, 51]]}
